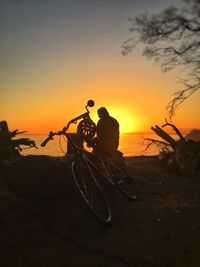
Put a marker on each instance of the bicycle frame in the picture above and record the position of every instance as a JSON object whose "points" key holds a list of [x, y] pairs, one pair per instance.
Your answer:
{"points": [[116, 176], [103, 170]]}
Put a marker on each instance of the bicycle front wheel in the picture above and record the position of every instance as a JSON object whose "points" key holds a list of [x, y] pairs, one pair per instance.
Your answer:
{"points": [[91, 191]]}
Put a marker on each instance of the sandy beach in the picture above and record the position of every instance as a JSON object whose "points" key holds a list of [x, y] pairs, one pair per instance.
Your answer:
{"points": [[162, 228]]}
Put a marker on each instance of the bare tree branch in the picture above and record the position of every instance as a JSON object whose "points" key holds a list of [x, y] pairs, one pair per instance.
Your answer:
{"points": [[175, 129], [172, 39], [182, 95]]}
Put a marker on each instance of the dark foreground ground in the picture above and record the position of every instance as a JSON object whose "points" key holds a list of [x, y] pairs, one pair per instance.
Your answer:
{"points": [[161, 229]]}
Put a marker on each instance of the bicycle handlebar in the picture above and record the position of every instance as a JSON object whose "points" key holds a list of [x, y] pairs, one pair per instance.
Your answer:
{"points": [[50, 137], [82, 116], [51, 134]]}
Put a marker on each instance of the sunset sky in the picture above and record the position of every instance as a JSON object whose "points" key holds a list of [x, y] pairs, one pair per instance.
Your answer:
{"points": [[55, 55]]}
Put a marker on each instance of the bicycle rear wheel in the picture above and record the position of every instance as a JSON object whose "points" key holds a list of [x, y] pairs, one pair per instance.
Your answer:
{"points": [[128, 189], [123, 181], [91, 191]]}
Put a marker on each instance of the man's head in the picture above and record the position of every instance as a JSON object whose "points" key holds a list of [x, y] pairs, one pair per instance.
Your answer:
{"points": [[102, 113]]}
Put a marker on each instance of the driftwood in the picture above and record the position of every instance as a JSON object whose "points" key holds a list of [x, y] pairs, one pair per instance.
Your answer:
{"points": [[185, 153]]}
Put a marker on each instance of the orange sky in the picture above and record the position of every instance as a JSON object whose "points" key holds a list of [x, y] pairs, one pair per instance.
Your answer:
{"points": [[51, 66]]}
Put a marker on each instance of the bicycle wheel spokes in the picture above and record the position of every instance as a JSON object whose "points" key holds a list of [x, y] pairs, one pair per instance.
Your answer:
{"points": [[91, 192]]}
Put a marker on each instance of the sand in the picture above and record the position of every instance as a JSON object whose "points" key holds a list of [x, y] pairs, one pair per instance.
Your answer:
{"points": [[162, 228]]}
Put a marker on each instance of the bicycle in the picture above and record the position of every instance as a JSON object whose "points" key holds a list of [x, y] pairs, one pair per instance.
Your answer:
{"points": [[87, 167]]}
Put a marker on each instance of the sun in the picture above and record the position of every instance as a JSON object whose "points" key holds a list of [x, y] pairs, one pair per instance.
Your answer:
{"points": [[125, 120]]}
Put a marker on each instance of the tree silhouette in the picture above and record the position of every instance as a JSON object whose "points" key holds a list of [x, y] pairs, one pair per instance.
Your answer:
{"points": [[172, 39]]}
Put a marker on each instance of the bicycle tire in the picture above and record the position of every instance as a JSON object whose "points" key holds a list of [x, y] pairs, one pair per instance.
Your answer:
{"points": [[128, 189], [123, 181], [91, 191]]}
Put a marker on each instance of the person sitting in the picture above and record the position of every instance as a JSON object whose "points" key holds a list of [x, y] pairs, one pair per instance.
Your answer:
{"points": [[106, 142], [107, 139]]}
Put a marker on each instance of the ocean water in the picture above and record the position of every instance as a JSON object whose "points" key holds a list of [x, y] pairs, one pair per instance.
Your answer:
{"points": [[131, 144]]}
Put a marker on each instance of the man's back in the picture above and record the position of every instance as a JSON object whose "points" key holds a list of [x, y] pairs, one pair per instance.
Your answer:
{"points": [[107, 134], [108, 129]]}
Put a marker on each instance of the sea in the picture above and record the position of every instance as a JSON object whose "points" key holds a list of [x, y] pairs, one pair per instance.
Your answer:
{"points": [[131, 144]]}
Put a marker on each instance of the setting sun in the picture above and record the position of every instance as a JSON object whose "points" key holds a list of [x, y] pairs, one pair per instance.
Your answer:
{"points": [[99, 133], [56, 68], [124, 119], [127, 122]]}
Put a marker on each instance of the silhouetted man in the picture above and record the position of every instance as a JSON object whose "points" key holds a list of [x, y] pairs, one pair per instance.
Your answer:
{"points": [[107, 140]]}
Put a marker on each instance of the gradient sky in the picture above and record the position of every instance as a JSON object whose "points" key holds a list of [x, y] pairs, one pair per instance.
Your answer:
{"points": [[55, 55]]}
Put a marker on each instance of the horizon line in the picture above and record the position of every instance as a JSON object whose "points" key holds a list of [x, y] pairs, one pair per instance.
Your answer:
{"points": [[134, 132]]}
